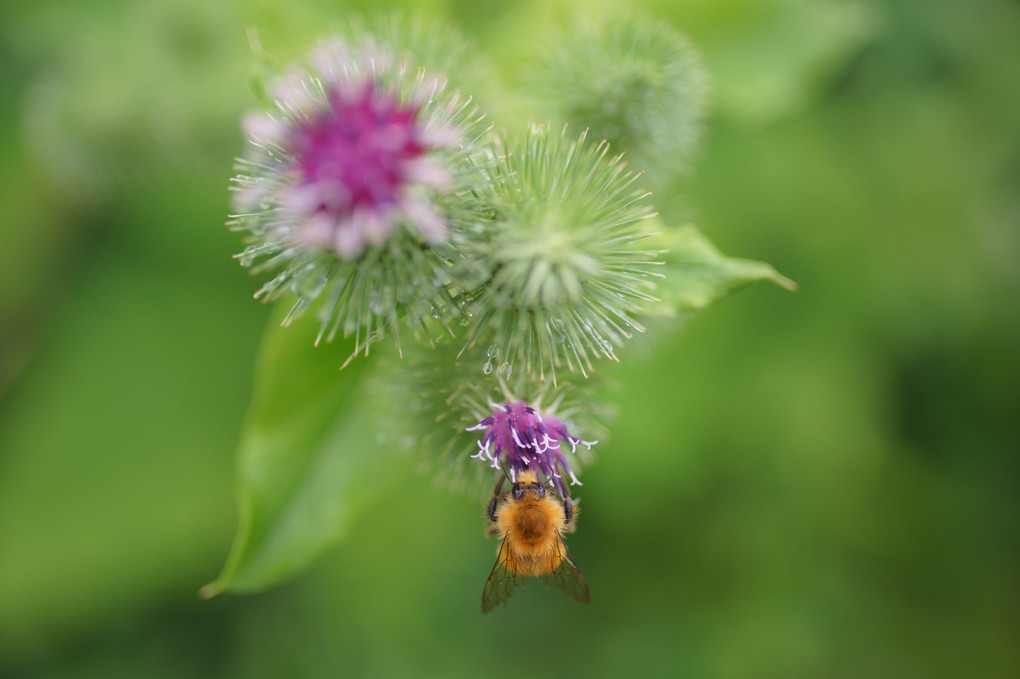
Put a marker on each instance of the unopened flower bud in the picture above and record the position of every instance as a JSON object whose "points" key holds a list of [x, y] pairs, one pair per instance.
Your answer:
{"points": [[636, 82], [560, 274]]}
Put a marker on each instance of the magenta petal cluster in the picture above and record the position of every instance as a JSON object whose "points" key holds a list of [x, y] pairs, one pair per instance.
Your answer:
{"points": [[349, 154], [518, 437], [360, 164]]}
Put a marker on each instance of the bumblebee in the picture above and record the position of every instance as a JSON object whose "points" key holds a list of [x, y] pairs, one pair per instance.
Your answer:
{"points": [[531, 523]]}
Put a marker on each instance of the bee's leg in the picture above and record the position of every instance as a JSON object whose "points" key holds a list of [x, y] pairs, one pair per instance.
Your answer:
{"points": [[569, 510], [494, 502]]}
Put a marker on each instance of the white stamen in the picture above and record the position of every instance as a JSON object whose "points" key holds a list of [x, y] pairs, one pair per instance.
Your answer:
{"points": [[483, 452], [513, 432]]}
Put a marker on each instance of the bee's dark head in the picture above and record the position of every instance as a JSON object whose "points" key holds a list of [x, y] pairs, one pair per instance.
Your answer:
{"points": [[529, 487]]}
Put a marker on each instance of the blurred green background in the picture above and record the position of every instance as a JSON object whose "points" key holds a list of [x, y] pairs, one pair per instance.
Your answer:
{"points": [[822, 484]]}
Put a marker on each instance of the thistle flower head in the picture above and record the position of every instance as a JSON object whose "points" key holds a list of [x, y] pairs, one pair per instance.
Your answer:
{"points": [[432, 404], [357, 156], [347, 183], [517, 437], [559, 277]]}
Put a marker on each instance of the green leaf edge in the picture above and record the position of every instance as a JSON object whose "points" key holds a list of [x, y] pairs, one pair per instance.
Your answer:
{"points": [[240, 548], [686, 250]]}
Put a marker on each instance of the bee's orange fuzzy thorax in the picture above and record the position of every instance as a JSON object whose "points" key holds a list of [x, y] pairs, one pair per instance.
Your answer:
{"points": [[532, 526]]}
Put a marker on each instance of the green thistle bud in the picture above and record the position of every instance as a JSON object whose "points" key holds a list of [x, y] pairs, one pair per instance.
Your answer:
{"points": [[557, 278], [636, 83], [348, 186]]}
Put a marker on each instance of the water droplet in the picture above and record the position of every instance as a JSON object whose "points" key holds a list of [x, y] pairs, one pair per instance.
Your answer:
{"points": [[504, 370], [247, 258], [311, 285], [271, 285], [558, 330], [492, 352], [487, 368]]}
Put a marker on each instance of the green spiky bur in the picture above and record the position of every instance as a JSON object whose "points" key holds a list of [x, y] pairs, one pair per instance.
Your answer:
{"points": [[636, 83], [560, 273]]}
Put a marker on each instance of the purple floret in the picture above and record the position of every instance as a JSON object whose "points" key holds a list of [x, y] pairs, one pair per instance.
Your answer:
{"points": [[518, 437]]}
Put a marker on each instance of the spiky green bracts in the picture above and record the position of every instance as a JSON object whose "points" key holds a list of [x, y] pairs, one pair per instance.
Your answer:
{"points": [[558, 277]]}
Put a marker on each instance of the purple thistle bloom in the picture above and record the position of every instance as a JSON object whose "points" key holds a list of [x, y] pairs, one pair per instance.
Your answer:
{"points": [[348, 183], [356, 161], [518, 437], [356, 158]]}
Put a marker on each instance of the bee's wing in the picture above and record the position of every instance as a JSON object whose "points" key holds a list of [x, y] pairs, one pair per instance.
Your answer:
{"points": [[567, 577], [502, 582]]}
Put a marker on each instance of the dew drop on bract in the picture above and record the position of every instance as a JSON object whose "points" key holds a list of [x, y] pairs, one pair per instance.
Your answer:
{"points": [[311, 285], [375, 302], [504, 370], [247, 258], [558, 330], [492, 352], [487, 368]]}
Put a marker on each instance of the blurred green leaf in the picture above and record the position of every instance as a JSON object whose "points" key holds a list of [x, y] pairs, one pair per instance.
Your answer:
{"points": [[697, 274], [306, 462]]}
